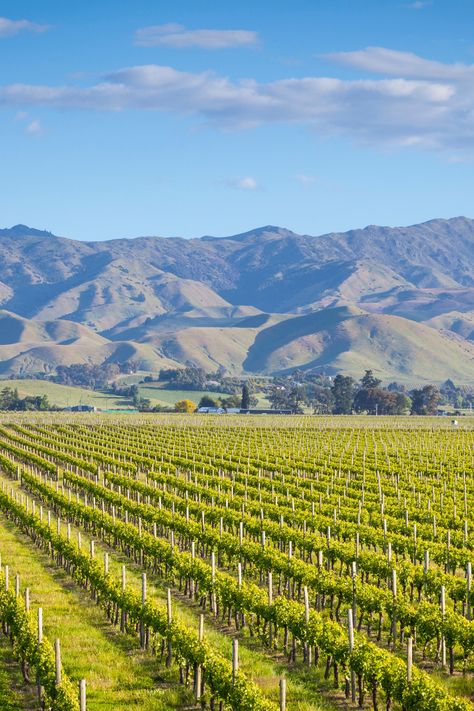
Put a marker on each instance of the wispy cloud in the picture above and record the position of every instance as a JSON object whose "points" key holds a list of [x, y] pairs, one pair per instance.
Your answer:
{"points": [[246, 183], [34, 128], [415, 103], [380, 60], [418, 4], [179, 37], [304, 179], [8, 27]]}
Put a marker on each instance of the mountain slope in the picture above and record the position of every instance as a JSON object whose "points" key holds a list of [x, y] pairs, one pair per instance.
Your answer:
{"points": [[266, 300]]}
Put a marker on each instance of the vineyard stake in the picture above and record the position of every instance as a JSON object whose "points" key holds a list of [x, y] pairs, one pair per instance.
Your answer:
{"points": [[235, 659], [409, 658], [57, 661], [82, 695], [350, 630], [282, 694]]}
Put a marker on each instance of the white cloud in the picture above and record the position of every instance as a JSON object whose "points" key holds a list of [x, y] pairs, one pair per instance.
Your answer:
{"points": [[8, 28], [178, 37], [34, 128], [415, 103], [418, 5], [380, 60], [305, 179], [246, 183]]}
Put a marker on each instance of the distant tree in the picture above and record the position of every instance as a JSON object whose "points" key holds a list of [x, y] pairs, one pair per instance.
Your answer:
{"points": [[10, 400], [185, 406], [343, 394], [321, 399], [369, 381], [395, 387], [207, 401], [168, 373], [233, 401], [425, 400], [245, 403], [402, 404], [86, 375]]}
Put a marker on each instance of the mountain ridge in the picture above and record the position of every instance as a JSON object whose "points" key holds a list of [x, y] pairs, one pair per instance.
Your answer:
{"points": [[219, 301]]}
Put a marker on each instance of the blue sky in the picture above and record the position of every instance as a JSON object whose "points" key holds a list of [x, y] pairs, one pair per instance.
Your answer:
{"points": [[194, 117]]}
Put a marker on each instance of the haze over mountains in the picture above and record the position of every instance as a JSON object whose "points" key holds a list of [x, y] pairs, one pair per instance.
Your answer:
{"points": [[398, 300]]}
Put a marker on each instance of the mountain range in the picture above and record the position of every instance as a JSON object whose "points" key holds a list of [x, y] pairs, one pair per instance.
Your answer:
{"points": [[397, 300]]}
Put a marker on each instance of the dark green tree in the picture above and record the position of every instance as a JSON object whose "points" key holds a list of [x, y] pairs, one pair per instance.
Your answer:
{"points": [[369, 380], [245, 404], [425, 400], [207, 401], [343, 394]]}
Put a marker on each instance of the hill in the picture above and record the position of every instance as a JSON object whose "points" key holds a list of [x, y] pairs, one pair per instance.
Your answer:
{"points": [[399, 300]]}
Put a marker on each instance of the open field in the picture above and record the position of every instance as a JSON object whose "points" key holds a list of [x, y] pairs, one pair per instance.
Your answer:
{"points": [[280, 531], [65, 395]]}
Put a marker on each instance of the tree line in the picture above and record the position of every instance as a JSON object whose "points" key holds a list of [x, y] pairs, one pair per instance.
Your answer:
{"points": [[10, 400], [343, 395]]}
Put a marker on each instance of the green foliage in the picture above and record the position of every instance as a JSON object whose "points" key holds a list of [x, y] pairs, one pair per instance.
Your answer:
{"points": [[207, 401], [343, 394], [10, 400], [425, 400], [40, 657]]}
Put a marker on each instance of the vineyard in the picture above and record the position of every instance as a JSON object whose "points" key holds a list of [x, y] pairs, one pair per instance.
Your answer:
{"points": [[254, 564]]}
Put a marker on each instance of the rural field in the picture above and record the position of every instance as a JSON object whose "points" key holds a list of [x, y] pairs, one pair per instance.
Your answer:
{"points": [[247, 563]]}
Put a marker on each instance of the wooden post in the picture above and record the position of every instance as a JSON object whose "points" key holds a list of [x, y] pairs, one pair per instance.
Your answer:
{"points": [[198, 670], [82, 695], [354, 592], [142, 624], [92, 549], [282, 694], [409, 658], [213, 578], [106, 563], [57, 661], [27, 599], [306, 617], [350, 630], [7, 578], [123, 617], [17, 585], [468, 591], [235, 659], [40, 625], [443, 640], [394, 594], [270, 602], [168, 605], [79, 540]]}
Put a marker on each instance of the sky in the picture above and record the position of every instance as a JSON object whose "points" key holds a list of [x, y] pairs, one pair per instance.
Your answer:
{"points": [[195, 117]]}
